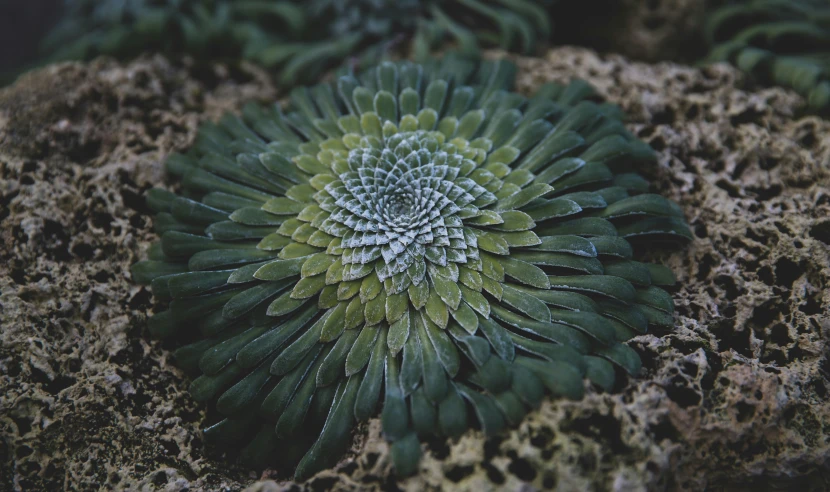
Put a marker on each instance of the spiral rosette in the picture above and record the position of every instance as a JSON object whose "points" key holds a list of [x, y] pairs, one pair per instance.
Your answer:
{"points": [[418, 241]]}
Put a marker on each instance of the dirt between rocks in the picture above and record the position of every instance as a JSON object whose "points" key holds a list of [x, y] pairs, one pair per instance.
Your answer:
{"points": [[734, 398]]}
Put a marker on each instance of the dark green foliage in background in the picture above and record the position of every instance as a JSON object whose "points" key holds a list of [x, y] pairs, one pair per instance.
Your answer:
{"points": [[416, 241], [780, 42], [299, 39]]}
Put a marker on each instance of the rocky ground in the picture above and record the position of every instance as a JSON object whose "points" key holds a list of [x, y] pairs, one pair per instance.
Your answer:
{"points": [[734, 398]]}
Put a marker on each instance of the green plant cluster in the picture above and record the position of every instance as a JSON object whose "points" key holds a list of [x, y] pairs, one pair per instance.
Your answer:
{"points": [[780, 42], [416, 240], [299, 39]]}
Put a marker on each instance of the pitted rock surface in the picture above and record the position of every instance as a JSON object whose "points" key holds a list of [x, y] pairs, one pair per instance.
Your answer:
{"points": [[735, 396]]}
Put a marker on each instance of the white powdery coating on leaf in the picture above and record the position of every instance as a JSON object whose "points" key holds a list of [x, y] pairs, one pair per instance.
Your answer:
{"points": [[400, 202]]}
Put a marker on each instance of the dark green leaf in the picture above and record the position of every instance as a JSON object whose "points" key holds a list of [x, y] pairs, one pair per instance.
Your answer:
{"points": [[561, 378], [395, 415], [525, 303], [333, 367], [406, 454], [488, 414], [362, 349], [600, 372], [369, 392]]}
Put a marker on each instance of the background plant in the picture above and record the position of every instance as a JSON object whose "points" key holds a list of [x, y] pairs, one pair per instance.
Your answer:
{"points": [[781, 42], [299, 39], [417, 240]]}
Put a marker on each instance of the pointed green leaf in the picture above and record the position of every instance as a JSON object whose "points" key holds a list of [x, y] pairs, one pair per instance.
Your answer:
{"points": [[316, 264], [369, 392], [279, 397], [261, 347], [251, 298], [656, 298], [488, 414], [447, 290], [423, 412], [623, 356], [362, 349], [332, 368], [436, 309], [406, 454], [612, 246], [614, 287], [499, 338], [600, 372], [574, 245], [280, 269], [399, 332], [591, 324], [527, 386], [395, 415], [524, 272], [555, 332], [308, 287], [561, 378], [591, 266], [297, 350], [444, 348], [525, 303], [466, 317], [522, 198], [241, 395], [435, 379], [452, 414]]}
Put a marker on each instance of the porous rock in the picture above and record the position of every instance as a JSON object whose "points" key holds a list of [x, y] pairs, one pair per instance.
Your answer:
{"points": [[735, 397]]}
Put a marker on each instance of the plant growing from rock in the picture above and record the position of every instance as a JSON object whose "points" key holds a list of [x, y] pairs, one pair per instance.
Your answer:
{"points": [[299, 39], [415, 241], [781, 42]]}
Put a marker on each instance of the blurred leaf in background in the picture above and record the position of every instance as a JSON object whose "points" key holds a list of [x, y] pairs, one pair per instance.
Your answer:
{"points": [[780, 42], [299, 39]]}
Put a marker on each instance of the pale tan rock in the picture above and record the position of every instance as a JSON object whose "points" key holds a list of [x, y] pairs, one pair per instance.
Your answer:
{"points": [[734, 398]]}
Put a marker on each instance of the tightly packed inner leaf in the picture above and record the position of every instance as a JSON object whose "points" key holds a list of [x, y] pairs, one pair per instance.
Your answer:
{"points": [[416, 240]]}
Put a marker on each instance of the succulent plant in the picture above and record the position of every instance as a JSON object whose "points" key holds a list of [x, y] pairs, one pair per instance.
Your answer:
{"points": [[298, 38], [781, 42], [415, 239]]}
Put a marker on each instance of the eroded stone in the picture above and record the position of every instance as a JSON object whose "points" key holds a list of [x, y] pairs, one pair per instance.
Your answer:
{"points": [[735, 394]]}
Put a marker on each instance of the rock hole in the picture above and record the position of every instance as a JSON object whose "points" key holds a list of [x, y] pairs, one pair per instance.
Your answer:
{"points": [[459, 473], [681, 394], [493, 474], [729, 188], [821, 231], [745, 411], [522, 469], [780, 335], [787, 272]]}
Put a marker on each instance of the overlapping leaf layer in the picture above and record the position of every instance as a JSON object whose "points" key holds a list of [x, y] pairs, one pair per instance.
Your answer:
{"points": [[416, 241], [782, 42], [300, 38]]}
